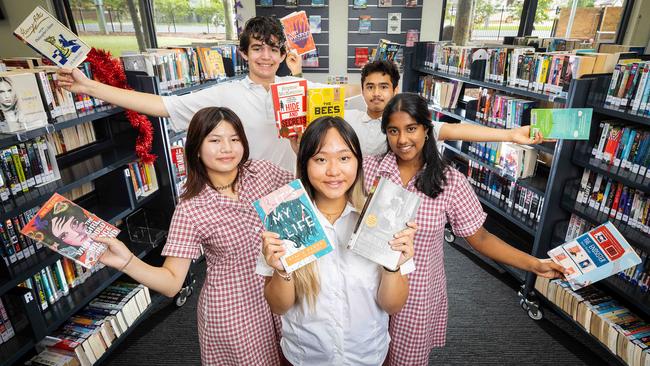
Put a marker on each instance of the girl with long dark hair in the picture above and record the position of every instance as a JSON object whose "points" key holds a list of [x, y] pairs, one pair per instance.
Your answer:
{"points": [[216, 215], [414, 162], [334, 310]]}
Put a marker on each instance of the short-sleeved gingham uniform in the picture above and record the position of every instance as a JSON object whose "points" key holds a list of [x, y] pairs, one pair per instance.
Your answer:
{"points": [[422, 323], [235, 323]]}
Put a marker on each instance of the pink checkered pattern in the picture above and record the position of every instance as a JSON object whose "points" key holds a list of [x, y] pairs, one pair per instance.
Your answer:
{"points": [[235, 324], [422, 323]]}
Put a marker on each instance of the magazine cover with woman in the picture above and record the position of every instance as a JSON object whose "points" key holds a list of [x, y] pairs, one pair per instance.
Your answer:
{"points": [[68, 229]]}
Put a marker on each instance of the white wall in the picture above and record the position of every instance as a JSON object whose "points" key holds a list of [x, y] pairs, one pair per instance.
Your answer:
{"points": [[15, 12]]}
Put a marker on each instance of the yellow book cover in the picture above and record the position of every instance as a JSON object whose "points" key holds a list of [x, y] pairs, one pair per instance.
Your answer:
{"points": [[321, 102]]}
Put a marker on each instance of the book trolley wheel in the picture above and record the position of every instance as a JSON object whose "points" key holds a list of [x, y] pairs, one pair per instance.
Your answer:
{"points": [[449, 236], [186, 291], [535, 313]]}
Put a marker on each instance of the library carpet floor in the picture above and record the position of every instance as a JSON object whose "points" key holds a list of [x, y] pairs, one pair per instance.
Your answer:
{"points": [[486, 326]]}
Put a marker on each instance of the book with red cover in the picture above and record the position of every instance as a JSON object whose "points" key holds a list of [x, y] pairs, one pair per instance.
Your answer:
{"points": [[360, 56], [290, 107]]}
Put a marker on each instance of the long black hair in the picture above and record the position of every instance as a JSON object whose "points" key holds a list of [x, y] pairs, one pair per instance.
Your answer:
{"points": [[432, 180], [311, 143]]}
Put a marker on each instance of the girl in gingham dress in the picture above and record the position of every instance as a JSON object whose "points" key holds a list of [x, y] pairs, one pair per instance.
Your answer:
{"points": [[414, 162], [216, 213]]}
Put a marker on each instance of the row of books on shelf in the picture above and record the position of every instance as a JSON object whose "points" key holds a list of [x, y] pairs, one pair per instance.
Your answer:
{"points": [[72, 138], [80, 191], [629, 89], [182, 66], [523, 201], [494, 109], [37, 100], [514, 160], [6, 328], [16, 247], [614, 199], [624, 146], [623, 332], [26, 166], [550, 44], [142, 178], [517, 66], [84, 338], [440, 92]]}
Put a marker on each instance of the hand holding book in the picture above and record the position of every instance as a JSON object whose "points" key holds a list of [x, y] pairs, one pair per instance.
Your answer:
{"points": [[403, 242], [273, 250], [116, 255]]}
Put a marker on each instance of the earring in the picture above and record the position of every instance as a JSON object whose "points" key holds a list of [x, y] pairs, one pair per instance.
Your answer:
{"points": [[426, 137]]}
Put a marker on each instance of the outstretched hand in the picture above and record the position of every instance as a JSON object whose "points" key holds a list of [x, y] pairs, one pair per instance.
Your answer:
{"points": [[73, 80], [116, 254], [521, 135], [548, 269]]}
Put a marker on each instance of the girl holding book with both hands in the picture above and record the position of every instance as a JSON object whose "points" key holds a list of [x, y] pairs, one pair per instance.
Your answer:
{"points": [[216, 215], [335, 310]]}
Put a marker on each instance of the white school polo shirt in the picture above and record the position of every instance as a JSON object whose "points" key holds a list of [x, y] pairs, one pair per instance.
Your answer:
{"points": [[348, 326], [372, 140], [254, 106]]}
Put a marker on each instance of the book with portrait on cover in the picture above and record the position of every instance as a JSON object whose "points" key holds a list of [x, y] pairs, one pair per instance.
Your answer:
{"points": [[289, 212], [69, 230], [387, 210]]}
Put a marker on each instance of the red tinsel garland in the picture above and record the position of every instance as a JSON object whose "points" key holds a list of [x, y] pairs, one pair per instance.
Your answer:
{"points": [[108, 70]]}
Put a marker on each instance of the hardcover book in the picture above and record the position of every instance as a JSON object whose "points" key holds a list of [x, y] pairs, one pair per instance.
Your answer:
{"points": [[386, 211], [289, 212], [297, 30], [594, 255], [561, 123], [69, 230], [49, 37], [328, 101], [290, 107]]}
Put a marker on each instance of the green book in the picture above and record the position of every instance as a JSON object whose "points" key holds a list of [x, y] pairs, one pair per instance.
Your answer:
{"points": [[561, 123]]}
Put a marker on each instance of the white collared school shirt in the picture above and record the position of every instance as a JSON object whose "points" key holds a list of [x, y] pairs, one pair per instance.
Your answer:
{"points": [[372, 140], [252, 104], [347, 327]]}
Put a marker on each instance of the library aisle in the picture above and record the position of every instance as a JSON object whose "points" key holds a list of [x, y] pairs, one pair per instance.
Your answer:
{"points": [[484, 309]]}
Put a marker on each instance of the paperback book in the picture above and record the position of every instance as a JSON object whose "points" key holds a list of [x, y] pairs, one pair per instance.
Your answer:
{"points": [[266, 3], [594, 255], [69, 230], [394, 23], [360, 4], [315, 24], [386, 211], [328, 101], [385, 3], [289, 212], [49, 37], [310, 59], [21, 106], [360, 56], [561, 123], [365, 22], [290, 106], [298, 33]]}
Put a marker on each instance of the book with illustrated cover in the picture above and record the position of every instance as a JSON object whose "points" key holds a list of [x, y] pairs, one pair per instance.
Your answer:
{"points": [[291, 4], [360, 56], [289, 212], [360, 4], [69, 230], [385, 3], [297, 30], [317, 2], [49, 37], [315, 24], [310, 59], [21, 106], [387, 210], [594, 255], [412, 36], [517, 161], [328, 101], [561, 123], [290, 107], [365, 22], [411, 3], [266, 3], [394, 23]]}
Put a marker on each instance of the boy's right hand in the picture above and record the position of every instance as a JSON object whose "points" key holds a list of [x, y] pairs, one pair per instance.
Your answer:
{"points": [[272, 250], [73, 80], [116, 253]]}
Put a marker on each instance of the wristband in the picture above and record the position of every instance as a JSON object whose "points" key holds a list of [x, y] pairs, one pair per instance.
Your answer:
{"points": [[286, 277], [390, 270], [127, 263]]}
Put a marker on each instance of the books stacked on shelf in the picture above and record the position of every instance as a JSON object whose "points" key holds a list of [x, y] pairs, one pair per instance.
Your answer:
{"points": [[517, 161], [6, 329], [88, 334], [177, 152], [15, 247], [502, 111], [629, 89], [623, 332], [81, 191], [72, 138], [614, 200], [142, 178], [550, 44], [488, 152], [441, 92], [625, 147], [577, 225], [26, 166]]}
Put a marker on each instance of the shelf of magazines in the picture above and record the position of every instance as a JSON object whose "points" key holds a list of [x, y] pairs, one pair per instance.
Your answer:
{"points": [[459, 114]]}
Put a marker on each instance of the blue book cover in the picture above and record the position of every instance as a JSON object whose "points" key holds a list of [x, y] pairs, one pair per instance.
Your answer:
{"points": [[289, 212]]}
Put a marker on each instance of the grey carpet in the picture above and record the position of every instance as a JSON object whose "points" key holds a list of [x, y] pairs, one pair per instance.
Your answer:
{"points": [[486, 326]]}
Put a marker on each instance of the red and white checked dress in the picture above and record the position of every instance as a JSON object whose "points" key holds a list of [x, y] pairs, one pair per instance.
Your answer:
{"points": [[235, 323], [422, 323]]}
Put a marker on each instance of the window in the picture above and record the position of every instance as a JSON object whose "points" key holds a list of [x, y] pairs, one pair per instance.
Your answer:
{"points": [[181, 22], [491, 19]]}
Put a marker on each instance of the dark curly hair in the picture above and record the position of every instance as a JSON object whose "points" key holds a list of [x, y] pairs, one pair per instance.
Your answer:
{"points": [[384, 67], [263, 29]]}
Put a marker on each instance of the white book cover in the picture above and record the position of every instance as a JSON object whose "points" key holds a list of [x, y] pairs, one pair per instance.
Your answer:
{"points": [[387, 210], [45, 34], [21, 107], [394, 23]]}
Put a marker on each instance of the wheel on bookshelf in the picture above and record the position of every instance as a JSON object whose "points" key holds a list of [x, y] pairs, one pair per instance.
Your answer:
{"points": [[523, 304], [181, 298], [449, 236], [534, 312]]}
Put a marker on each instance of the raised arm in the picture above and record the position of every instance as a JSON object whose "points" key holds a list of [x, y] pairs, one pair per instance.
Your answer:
{"points": [[167, 279], [75, 81], [467, 132], [394, 286]]}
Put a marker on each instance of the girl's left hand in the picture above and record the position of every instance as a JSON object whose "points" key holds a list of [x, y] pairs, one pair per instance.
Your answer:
{"points": [[403, 242], [548, 269]]}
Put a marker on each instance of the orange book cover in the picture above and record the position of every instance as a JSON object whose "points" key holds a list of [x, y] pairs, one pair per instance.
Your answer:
{"points": [[298, 33]]}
